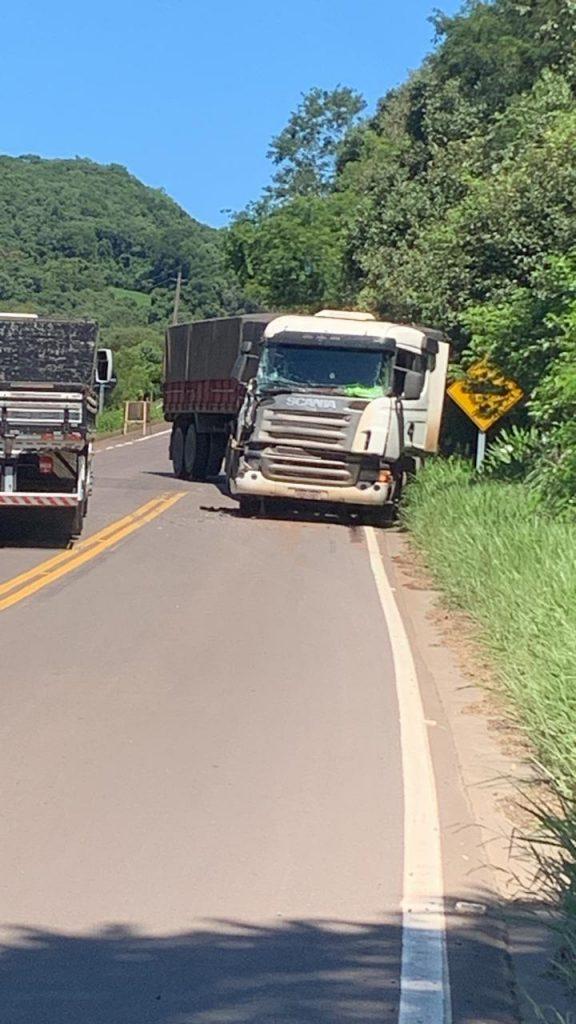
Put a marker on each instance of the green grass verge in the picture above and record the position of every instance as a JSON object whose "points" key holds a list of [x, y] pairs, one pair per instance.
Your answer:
{"points": [[499, 557]]}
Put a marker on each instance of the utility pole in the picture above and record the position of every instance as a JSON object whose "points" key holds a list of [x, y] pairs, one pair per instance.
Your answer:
{"points": [[177, 298]]}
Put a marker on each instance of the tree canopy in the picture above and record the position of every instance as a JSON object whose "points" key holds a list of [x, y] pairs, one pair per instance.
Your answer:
{"points": [[306, 150]]}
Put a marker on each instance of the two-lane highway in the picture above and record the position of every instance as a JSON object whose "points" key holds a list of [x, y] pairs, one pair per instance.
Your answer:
{"points": [[211, 759]]}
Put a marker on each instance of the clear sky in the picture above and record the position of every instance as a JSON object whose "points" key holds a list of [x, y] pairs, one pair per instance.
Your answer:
{"points": [[188, 93]]}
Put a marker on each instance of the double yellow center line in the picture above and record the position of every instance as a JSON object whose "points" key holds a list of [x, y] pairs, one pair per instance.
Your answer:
{"points": [[53, 569]]}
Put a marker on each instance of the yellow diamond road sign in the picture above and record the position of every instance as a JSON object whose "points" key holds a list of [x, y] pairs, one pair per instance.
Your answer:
{"points": [[485, 395]]}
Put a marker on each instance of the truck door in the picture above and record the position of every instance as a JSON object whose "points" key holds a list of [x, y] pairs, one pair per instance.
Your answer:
{"points": [[420, 381]]}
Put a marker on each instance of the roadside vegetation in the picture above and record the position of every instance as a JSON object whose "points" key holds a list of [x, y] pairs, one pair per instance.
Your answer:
{"points": [[499, 555], [78, 239]]}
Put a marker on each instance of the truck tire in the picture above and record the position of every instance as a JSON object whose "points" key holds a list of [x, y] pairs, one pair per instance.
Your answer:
{"points": [[196, 453], [216, 454], [177, 452]]}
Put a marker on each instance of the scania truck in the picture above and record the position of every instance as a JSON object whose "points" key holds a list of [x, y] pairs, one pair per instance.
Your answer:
{"points": [[48, 372], [333, 409]]}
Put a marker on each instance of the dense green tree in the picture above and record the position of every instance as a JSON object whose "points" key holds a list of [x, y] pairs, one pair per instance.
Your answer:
{"points": [[306, 150], [290, 257]]}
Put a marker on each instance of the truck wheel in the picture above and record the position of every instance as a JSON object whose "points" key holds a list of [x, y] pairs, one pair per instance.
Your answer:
{"points": [[177, 452], [248, 507], [216, 454], [196, 452]]}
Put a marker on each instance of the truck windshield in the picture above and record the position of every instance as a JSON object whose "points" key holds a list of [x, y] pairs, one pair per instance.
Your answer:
{"points": [[355, 372]]}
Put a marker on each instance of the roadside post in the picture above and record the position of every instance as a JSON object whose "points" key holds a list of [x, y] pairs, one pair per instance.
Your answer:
{"points": [[485, 395], [136, 414], [480, 448]]}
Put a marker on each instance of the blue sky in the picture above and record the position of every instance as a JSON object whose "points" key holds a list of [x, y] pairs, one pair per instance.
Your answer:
{"points": [[188, 93]]}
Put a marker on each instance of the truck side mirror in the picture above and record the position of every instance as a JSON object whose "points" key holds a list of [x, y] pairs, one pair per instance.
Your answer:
{"points": [[245, 367], [413, 384], [104, 366]]}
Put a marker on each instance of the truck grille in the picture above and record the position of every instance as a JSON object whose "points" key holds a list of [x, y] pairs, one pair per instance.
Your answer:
{"points": [[308, 467], [305, 428]]}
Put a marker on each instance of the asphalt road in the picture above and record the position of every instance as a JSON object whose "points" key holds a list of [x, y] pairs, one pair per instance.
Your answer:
{"points": [[202, 791]]}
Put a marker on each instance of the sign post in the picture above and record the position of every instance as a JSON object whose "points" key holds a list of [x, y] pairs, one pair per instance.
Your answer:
{"points": [[485, 395], [480, 448]]}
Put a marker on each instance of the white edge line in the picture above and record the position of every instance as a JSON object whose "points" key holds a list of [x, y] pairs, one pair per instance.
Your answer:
{"points": [[424, 981], [125, 444]]}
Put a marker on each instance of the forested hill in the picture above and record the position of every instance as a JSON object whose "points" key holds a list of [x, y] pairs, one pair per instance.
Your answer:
{"points": [[454, 204], [78, 238]]}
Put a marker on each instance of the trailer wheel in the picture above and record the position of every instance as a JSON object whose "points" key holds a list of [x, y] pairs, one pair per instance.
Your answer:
{"points": [[196, 454], [177, 452], [216, 454]]}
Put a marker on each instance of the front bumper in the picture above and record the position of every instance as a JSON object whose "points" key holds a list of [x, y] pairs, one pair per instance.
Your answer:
{"points": [[254, 483]]}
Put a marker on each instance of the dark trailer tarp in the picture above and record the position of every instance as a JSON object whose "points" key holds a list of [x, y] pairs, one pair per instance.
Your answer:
{"points": [[47, 351], [208, 349]]}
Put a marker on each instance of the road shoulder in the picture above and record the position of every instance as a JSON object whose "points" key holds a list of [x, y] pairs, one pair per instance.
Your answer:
{"points": [[488, 867]]}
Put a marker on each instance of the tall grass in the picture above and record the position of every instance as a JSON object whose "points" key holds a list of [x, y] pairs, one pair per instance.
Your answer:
{"points": [[498, 556], [110, 420]]}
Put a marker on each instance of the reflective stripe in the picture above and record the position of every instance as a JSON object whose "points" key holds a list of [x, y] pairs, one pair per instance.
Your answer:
{"points": [[40, 500]]}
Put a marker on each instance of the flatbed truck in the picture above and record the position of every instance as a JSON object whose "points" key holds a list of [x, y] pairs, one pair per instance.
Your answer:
{"points": [[48, 372]]}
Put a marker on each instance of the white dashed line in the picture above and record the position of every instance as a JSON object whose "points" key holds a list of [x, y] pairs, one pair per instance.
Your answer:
{"points": [[138, 440]]}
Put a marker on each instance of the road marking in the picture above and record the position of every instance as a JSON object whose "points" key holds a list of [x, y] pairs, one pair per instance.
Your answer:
{"points": [[28, 583], [424, 982], [138, 440]]}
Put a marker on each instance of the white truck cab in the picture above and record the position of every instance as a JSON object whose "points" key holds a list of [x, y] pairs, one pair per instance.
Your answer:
{"points": [[341, 405]]}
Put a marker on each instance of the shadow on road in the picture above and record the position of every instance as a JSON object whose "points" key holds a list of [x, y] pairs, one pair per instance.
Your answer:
{"points": [[279, 511], [298, 513], [300, 972]]}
